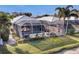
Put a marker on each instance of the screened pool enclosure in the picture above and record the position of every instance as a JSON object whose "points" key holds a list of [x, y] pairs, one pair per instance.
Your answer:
{"points": [[30, 27], [25, 26]]}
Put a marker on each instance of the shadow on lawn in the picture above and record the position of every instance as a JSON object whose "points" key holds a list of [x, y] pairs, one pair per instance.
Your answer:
{"points": [[20, 51], [75, 35], [4, 50]]}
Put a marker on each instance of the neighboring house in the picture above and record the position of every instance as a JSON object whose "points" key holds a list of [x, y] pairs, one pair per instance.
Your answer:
{"points": [[73, 23], [25, 26], [76, 27]]}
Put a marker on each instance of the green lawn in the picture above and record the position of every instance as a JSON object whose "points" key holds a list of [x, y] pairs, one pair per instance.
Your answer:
{"points": [[19, 49], [51, 43], [39, 46]]}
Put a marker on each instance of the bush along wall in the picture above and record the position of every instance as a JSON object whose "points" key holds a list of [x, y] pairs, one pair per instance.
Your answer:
{"points": [[5, 34]]}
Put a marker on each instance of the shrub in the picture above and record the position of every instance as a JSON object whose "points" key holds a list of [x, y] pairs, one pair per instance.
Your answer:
{"points": [[71, 31], [5, 34], [5, 37]]}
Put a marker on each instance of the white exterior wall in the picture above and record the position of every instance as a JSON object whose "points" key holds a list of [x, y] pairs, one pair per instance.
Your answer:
{"points": [[20, 32]]}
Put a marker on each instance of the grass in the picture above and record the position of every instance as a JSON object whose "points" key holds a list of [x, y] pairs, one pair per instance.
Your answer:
{"points": [[19, 49], [3, 50], [29, 48], [51, 43], [55, 50]]}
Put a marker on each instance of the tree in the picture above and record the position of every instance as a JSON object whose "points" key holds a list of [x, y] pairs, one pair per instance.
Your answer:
{"points": [[66, 12], [70, 12], [74, 12], [15, 14], [4, 26], [28, 14], [67, 15], [61, 13], [45, 15]]}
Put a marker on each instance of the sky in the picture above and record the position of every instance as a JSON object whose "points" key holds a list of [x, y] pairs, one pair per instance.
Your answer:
{"points": [[34, 9]]}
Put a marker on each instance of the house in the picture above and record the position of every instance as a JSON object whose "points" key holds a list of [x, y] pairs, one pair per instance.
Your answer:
{"points": [[24, 26], [47, 26], [53, 24], [74, 23]]}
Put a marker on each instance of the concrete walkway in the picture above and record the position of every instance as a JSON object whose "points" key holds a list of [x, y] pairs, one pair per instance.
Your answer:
{"points": [[74, 38], [11, 39], [71, 51]]}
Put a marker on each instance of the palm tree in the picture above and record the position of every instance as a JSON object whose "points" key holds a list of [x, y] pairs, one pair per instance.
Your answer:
{"points": [[65, 13], [61, 13]]}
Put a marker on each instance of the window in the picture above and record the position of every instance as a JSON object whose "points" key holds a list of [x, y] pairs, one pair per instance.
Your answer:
{"points": [[36, 28]]}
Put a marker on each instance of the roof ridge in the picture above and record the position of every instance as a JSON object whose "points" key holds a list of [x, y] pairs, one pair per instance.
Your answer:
{"points": [[19, 18]]}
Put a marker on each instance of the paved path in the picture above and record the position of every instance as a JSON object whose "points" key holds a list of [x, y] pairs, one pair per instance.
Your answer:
{"points": [[71, 51], [11, 39], [74, 38]]}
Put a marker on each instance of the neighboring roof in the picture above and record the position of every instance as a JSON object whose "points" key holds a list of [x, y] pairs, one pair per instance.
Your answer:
{"points": [[72, 18], [48, 18]]}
